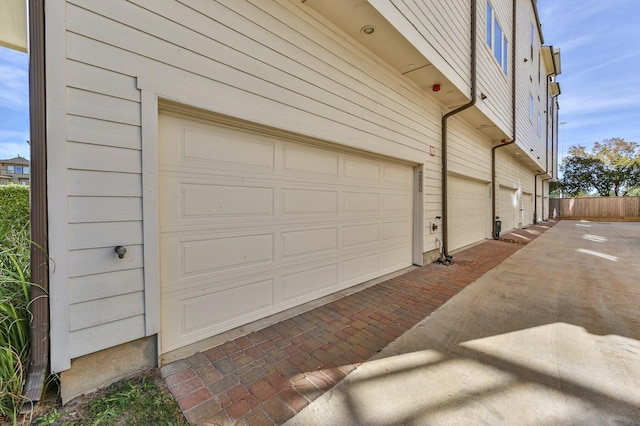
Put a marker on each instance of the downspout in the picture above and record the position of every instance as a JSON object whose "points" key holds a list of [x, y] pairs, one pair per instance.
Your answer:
{"points": [[546, 165], [543, 181], [552, 170], [495, 233], [38, 293], [445, 137]]}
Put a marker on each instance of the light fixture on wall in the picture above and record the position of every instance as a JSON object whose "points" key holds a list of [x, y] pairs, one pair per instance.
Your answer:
{"points": [[368, 29]]}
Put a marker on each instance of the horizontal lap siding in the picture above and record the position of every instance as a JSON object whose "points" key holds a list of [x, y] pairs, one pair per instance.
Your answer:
{"points": [[264, 61], [531, 81], [435, 21], [511, 173], [469, 151], [492, 81], [103, 159]]}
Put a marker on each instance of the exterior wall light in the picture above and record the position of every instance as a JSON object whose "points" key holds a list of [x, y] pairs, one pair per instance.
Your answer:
{"points": [[368, 29]]}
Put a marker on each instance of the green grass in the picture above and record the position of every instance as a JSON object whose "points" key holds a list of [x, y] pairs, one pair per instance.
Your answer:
{"points": [[140, 401], [14, 297]]}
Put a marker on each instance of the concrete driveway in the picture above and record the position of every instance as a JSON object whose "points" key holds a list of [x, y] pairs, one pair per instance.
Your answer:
{"points": [[549, 337]]}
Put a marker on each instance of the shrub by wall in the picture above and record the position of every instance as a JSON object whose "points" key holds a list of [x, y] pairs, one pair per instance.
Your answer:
{"points": [[14, 298], [14, 208]]}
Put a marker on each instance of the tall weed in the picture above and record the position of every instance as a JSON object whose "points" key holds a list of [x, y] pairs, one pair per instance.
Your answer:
{"points": [[14, 297]]}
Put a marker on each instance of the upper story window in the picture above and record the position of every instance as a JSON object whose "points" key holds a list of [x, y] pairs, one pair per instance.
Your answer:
{"points": [[531, 108], [532, 36], [20, 170], [496, 39], [539, 124]]}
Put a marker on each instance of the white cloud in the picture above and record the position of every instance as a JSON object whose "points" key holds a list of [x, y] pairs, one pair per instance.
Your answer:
{"points": [[14, 84], [13, 149]]}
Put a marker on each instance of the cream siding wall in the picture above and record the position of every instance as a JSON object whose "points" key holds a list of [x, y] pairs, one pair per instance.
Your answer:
{"points": [[435, 20], [269, 62], [531, 81], [514, 174], [491, 79], [469, 151]]}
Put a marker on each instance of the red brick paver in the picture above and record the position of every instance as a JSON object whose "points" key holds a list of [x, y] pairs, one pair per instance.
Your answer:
{"points": [[268, 376]]}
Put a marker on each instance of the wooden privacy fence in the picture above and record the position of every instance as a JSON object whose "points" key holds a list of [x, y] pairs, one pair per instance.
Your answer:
{"points": [[600, 208]]}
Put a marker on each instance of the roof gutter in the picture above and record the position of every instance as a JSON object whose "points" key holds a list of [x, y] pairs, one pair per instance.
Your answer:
{"points": [[39, 301], [445, 135], [496, 232]]}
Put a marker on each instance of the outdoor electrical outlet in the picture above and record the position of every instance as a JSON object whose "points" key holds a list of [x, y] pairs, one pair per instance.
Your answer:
{"points": [[433, 227]]}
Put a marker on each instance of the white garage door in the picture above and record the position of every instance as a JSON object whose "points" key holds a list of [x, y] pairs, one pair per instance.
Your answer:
{"points": [[468, 200], [509, 209], [253, 223], [527, 208]]}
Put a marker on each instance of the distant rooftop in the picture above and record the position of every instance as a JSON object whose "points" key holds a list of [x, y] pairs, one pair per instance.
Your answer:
{"points": [[16, 160]]}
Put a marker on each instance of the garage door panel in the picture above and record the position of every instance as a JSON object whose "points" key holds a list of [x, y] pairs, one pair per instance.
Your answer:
{"points": [[242, 239], [310, 241], [197, 315], [357, 235], [392, 259], [361, 170], [196, 202], [467, 211], [220, 254], [311, 161], [203, 311], [360, 202], [223, 146], [396, 202], [310, 201], [359, 268], [206, 201], [309, 282], [398, 176], [187, 259], [393, 230]]}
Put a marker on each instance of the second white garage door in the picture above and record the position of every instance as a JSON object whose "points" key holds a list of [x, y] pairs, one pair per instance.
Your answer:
{"points": [[509, 208], [468, 200], [253, 223]]}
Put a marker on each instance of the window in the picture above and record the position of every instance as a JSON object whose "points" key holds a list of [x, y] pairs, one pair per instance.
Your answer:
{"points": [[504, 49], [24, 183], [19, 170], [489, 24], [531, 108], [496, 39], [4, 182], [539, 124], [25, 170], [532, 35], [11, 169]]}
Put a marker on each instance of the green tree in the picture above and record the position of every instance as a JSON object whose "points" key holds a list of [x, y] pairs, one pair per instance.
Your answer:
{"points": [[611, 168]]}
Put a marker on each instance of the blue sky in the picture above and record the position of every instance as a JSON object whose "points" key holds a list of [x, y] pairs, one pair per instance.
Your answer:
{"points": [[14, 104], [600, 81]]}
